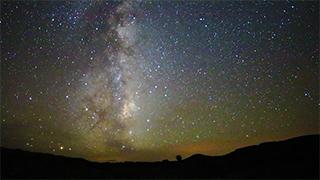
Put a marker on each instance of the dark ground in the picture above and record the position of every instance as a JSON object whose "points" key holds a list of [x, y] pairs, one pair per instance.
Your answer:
{"points": [[293, 158]]}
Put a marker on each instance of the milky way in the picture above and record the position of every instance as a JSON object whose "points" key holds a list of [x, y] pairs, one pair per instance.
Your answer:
{"points": [[147, 80], [105, 104]]}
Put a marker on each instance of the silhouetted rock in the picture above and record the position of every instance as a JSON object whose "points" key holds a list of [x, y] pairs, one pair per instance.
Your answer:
{"points": [[165, 160], [179, 158], [294, 158]]}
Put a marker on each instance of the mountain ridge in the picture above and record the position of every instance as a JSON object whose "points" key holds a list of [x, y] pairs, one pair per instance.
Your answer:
{"points": [[296, 157]]}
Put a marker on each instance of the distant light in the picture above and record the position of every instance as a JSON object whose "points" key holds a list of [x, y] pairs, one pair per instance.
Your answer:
{"points": [[61, 147]]}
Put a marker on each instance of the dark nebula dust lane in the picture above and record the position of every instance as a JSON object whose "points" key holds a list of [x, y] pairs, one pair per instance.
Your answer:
{"points": [[147, 80]]}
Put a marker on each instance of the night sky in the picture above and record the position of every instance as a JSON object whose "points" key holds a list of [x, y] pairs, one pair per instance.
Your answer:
{"points": [[147, 80]]}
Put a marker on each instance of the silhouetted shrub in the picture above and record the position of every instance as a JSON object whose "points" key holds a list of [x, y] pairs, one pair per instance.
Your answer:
{"points": [[179, 158]]}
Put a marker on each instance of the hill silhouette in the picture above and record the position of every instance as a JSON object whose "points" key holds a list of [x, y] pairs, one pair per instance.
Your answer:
{"points": [[292, 158]]}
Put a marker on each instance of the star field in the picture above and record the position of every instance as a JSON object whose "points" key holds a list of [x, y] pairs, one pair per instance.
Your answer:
{"points": [[147, 80]]}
